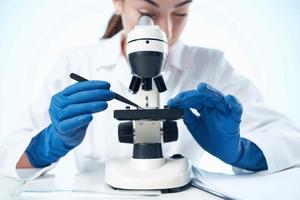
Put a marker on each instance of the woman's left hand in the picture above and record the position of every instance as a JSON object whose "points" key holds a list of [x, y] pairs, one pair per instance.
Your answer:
{"points": [[216, 128]]}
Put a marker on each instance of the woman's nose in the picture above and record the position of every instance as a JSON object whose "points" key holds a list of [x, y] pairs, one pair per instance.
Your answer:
{"points": [[166, 25]]}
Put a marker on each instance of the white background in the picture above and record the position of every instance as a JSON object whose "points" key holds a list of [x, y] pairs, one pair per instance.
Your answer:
{"points": [[260, 38]]}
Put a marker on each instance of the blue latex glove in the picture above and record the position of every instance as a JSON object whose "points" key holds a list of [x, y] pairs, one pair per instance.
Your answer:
{"points": [[70, 112], [216, 128]]}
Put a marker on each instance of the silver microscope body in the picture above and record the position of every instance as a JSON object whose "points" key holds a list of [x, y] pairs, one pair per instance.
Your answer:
{"points": [[150, 126]]}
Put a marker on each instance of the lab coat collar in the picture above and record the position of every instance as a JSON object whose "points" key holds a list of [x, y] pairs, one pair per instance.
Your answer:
{"points": [[175, 56], [109, 51]]}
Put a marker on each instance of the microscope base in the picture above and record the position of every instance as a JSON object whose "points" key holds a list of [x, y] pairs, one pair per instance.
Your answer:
{"points": [[148, 174]]}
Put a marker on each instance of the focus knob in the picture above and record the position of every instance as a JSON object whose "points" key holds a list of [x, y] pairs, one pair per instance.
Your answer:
{"points": [[125, 132], [170, 131]]}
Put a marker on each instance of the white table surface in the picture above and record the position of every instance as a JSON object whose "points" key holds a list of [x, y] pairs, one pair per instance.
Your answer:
{"points": [[79, 186], [281, 185]]}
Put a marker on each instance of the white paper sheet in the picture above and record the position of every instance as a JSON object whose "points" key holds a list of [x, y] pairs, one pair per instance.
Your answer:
{"points": [[281, 185]]}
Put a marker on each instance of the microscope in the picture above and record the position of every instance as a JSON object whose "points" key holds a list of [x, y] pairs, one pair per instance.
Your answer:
{"points": [[149, 126]]}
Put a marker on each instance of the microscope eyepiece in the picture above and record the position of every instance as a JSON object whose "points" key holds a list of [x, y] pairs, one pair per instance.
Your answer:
{"points": [[145, 20]]}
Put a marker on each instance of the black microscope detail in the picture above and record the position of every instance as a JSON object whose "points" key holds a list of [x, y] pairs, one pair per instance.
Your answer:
{"points": [[152, 63]]}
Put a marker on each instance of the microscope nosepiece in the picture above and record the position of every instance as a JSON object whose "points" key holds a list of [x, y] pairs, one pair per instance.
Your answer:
{"points": [[135, 84], [160, 83]]}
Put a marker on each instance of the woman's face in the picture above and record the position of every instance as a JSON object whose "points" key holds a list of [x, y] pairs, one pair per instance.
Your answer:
{"points": [[169, 15]]}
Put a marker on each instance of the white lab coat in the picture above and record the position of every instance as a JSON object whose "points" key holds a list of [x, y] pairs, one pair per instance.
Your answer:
{"points": [[186, 66]]}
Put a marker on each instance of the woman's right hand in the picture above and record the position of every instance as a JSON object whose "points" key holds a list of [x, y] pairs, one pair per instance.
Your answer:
{"points": [[70, 112]]}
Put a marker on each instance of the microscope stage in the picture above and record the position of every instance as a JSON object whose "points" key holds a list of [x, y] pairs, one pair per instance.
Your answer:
{"points": [[149, 114]]}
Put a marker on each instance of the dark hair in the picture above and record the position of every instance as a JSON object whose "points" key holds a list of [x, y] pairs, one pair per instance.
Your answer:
{"points": [[113, 27]]}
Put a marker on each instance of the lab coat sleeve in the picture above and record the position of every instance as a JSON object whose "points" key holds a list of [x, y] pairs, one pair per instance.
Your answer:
{"points": [[34, 119], [276, 136]]}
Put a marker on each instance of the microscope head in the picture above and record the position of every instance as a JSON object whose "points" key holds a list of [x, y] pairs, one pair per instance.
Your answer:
{"points": [[147, 50]]}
